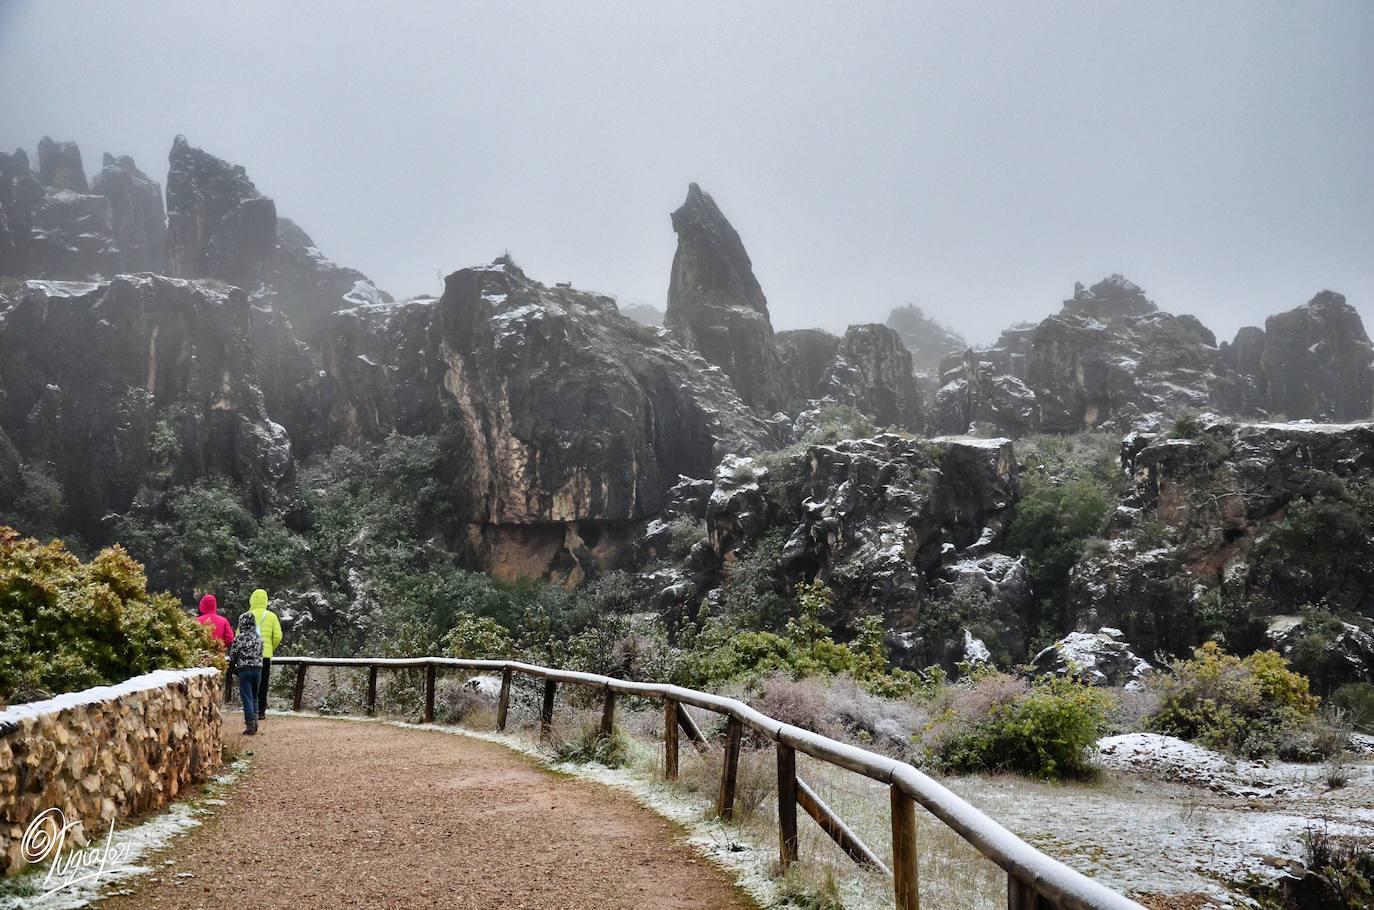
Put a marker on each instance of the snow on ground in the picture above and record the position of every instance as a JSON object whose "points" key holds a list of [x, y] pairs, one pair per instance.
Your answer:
{"points": [[1183, 762]]}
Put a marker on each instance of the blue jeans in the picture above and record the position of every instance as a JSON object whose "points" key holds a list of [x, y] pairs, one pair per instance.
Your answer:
{"points": [[248, 694]]}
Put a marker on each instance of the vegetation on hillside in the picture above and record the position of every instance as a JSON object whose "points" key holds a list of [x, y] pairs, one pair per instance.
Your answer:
{"points": [[66, 624]]}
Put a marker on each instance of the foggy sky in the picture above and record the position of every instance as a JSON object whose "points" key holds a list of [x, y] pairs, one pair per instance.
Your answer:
{"points": [[976, 159]]}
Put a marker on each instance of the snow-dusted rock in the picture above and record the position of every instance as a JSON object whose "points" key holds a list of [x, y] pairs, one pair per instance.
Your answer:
{"points": [[1102, 658], [1171, 758]]}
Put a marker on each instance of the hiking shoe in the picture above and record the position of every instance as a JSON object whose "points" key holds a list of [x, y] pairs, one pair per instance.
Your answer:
{"points": [[250, 731]]}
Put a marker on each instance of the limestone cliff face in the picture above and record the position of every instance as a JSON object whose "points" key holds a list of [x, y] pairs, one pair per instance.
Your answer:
{"points": [[90, 370], [561, 418], [1192, 543], [138, 220], [715, 304]]}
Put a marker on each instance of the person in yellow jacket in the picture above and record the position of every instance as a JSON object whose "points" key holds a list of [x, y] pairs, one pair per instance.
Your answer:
{"points": [[269, 628]]}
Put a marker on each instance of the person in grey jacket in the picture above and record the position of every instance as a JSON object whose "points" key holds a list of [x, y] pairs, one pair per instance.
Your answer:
{"points": [[245, 658]]}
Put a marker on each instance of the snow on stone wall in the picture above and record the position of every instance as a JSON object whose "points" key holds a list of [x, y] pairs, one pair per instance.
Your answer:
{"points": [[106, 754]]}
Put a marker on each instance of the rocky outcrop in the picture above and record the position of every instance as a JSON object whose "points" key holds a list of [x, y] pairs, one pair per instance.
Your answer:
{"points": [[872, 372], [878, 516], [715, 304], [220, 226], [105, 756], [805, 356], [1110, 358], [1100, 658], [53, 225], [1318, 362], [973, 394], [928, 341], [90, 370], [562, 418], [20, 193], [60, 168], [1204, 544], [138, 220]]}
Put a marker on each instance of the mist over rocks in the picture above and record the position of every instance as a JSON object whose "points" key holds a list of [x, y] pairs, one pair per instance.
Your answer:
{"points": [[221, 226], [927, 340], [572, 439]]}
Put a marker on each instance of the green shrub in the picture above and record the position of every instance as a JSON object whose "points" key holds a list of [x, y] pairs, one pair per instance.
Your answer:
{"points": [[1053, 523], [1043, 730], [67, 625], [1247, 706], [1356, 699]]}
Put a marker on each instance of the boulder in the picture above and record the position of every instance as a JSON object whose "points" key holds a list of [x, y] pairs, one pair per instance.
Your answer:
{"points": [[1102, 658], [715, 304]]}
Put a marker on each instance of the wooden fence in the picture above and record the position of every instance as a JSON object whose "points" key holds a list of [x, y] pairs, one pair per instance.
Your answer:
{"points": [[1034, 881]]}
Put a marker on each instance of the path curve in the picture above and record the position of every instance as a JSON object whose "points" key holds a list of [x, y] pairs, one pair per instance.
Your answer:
{"points": [[345, 814]]}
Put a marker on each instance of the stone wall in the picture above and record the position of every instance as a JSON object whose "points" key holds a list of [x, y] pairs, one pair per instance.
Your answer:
{"points": [[112, 752]]}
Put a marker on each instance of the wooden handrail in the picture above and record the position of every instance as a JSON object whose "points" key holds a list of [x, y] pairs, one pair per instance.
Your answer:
{"points": [[1034, 880]]}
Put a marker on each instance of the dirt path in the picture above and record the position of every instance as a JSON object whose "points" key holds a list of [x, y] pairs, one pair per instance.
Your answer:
{"points": [[344, 814]]}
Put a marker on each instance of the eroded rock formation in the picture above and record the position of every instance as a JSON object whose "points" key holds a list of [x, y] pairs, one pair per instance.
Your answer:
{"points": [[90, 370], [715, 304]]}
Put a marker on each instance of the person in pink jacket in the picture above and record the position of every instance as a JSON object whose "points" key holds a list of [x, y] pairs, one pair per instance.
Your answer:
{"points": [[220, 629]]}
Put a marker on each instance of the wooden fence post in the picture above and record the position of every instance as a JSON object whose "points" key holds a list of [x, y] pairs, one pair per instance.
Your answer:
{"points": [[297, 694], [429, 694], [670, 749], [608, 714], [371, 691], [905, 879], [787, 805], [729, 772], [546, 713], [503, 703], [1022, 896]]}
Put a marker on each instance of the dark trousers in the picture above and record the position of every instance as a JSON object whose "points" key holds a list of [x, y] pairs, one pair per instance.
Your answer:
{"points": [[262, 686], [249, 681]]}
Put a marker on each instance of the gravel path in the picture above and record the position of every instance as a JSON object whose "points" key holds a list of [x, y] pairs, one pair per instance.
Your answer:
{"points": [[345, 814]]}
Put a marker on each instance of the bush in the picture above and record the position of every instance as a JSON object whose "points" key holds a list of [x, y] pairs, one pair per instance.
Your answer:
{"points": [[1246, 706], [1053, 523], [1001, 723], [67, 625], [1356, 700]]}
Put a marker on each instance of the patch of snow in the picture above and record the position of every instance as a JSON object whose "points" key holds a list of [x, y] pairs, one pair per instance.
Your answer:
{"points": [[156, 680]]}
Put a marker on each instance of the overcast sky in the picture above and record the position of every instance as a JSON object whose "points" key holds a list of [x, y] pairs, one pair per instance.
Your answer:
{"points": [[976, 159]]}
